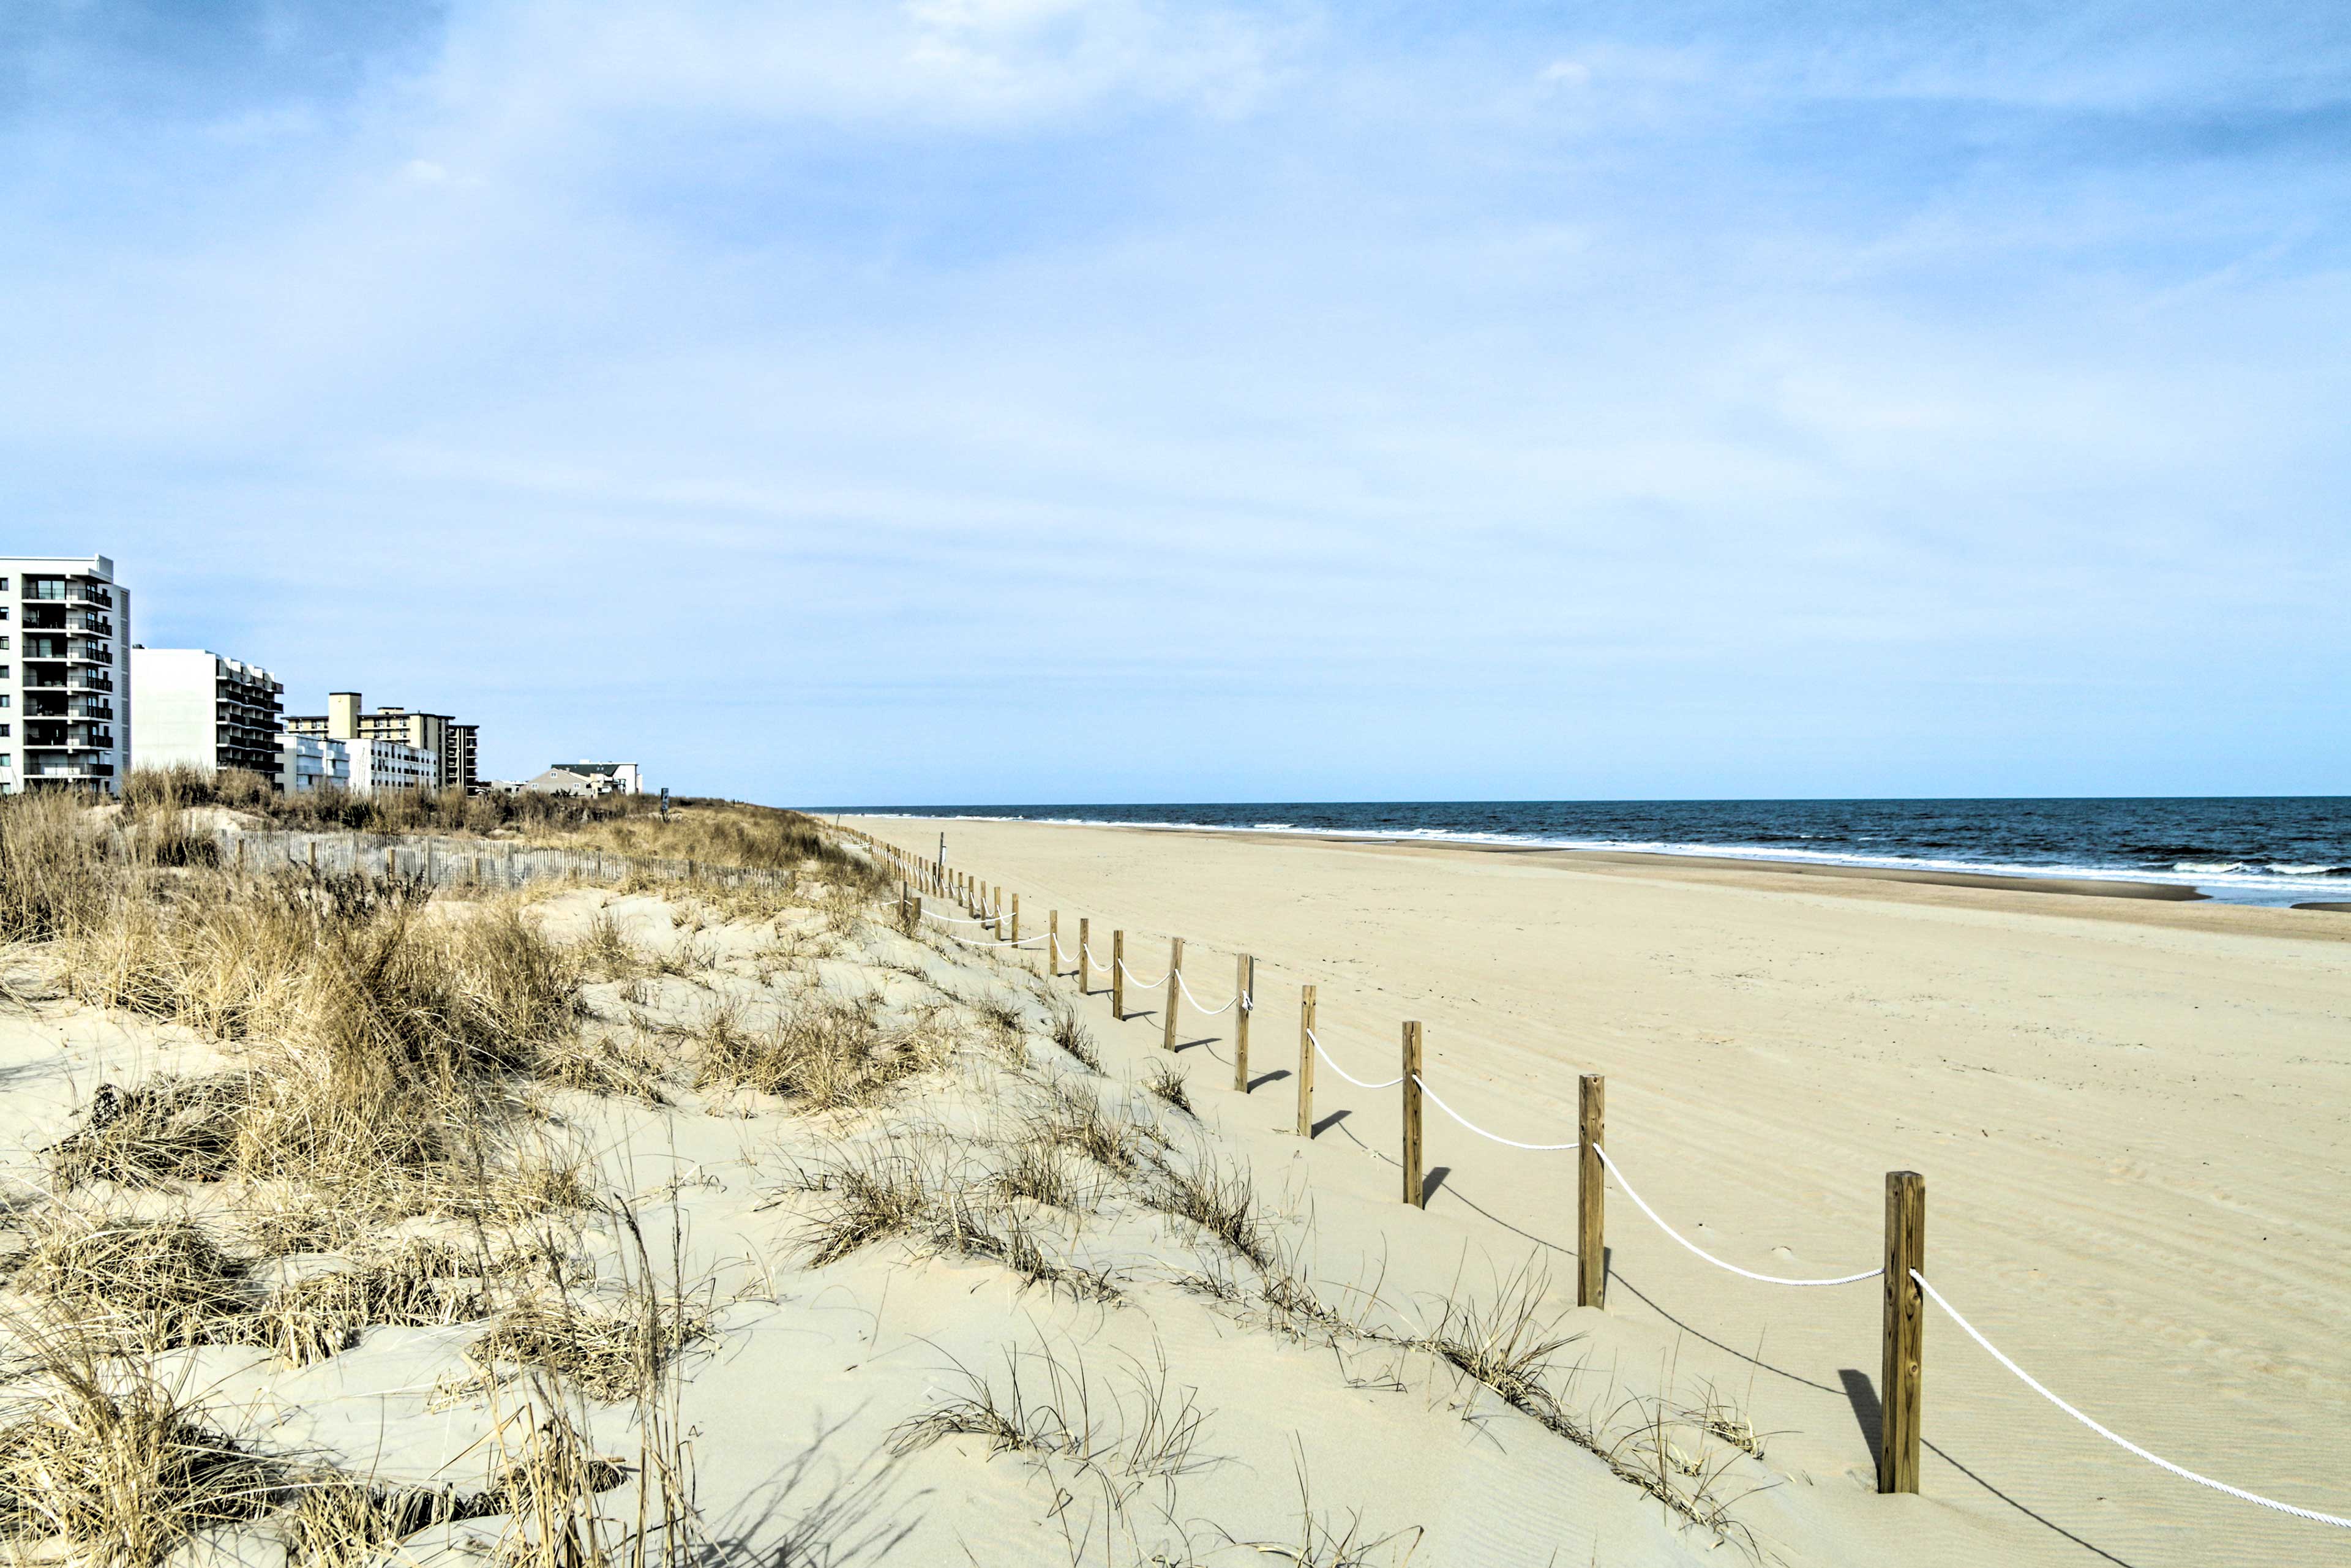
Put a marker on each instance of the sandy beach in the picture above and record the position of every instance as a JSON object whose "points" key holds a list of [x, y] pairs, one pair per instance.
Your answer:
{"points": [[2128, 1111]]}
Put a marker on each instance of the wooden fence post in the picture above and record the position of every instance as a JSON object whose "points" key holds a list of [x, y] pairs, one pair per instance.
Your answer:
{"points": [[1052, 943], [314, 854], [1305, 1062], [1085, 962], [1174, 990], [1244, 984], [1591, 1194], [389, 872], [1016, 917], [1415, 1191], [1118, 976], [1905, 1324]]}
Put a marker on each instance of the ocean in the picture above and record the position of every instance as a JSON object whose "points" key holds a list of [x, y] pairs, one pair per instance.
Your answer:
{"points": [[2271, 850]]}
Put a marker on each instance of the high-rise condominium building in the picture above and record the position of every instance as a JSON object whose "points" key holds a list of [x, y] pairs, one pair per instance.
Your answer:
{"points": [[198, 709], [450, 742], [65, 686]]}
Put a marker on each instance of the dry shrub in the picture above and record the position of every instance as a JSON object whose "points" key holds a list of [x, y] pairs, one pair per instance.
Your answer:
{"points": [[137, 1283], [382, 1036], [1075, 1117], [108, 1461], [172, 1129], [607, 1353], [1072, 1035], [54, 878], [1166, 1086], [607, 1063], [871, 1193], [416, 1284], [1508, 1343], [605, 951], [829, 1053], [1039, 1170], [1000, 1232], [1219, 1195], [1127, 1431]]}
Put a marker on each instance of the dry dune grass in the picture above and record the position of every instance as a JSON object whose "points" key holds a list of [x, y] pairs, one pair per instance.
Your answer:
{"points": [[830, 1052]]}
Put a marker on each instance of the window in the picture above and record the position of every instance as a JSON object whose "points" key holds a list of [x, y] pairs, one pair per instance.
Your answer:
{"points": [[4, 760]]}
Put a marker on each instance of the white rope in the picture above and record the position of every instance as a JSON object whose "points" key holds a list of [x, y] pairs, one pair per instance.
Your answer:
{"points": [[1497, 1137], [949, 919], [968, 941], [1138, 984], [1747, 1273], [2119, 1441], [1196, 1005], [1343, 1072]]}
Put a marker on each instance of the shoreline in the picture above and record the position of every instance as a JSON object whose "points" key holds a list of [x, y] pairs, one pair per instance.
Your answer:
{"points": [[2004, 882]]}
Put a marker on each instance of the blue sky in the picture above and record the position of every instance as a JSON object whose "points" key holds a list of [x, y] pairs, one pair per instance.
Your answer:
{"points": [[1038, 400]]}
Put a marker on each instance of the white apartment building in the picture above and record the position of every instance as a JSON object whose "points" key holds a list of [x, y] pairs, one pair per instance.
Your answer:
{"points": [[388, 765], [198, 709], [65, 679], [307, 762]]}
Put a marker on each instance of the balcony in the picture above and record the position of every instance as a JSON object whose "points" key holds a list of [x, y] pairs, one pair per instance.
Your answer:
{"points": [[91, 681], [91, 653], [45, 617], [45, 647], [91, 707], [40, 675], [45, 705], [97, 625]]}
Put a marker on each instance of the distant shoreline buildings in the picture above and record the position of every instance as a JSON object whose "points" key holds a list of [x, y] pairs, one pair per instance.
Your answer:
{"points": [[69, 672]]}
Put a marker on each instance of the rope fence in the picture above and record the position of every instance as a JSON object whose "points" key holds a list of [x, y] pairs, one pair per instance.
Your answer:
{"points": [[1906, 1287]]}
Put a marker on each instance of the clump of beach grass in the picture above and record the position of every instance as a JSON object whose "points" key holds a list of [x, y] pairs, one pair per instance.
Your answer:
{"points": [[1075, 1039], [827, 1053], [101, 1456], [133, 1282]]}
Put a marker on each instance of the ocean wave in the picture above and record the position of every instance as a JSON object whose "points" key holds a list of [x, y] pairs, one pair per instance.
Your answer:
{"points": [[2254, 880]]}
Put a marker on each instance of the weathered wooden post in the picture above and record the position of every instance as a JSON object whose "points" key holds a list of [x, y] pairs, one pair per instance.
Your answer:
{"points": [[1244, 1001], [1174, 990], [1052, 943], [1415, 1191], [1085, 959], [1016, 917], [1906, 1326], [1305, 1062], [1591, 1194], [389, 872], [1118, 976], [314, 854]]}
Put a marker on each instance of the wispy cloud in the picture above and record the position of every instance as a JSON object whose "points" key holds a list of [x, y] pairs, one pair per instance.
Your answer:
{"points": [[1483, 403]]}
